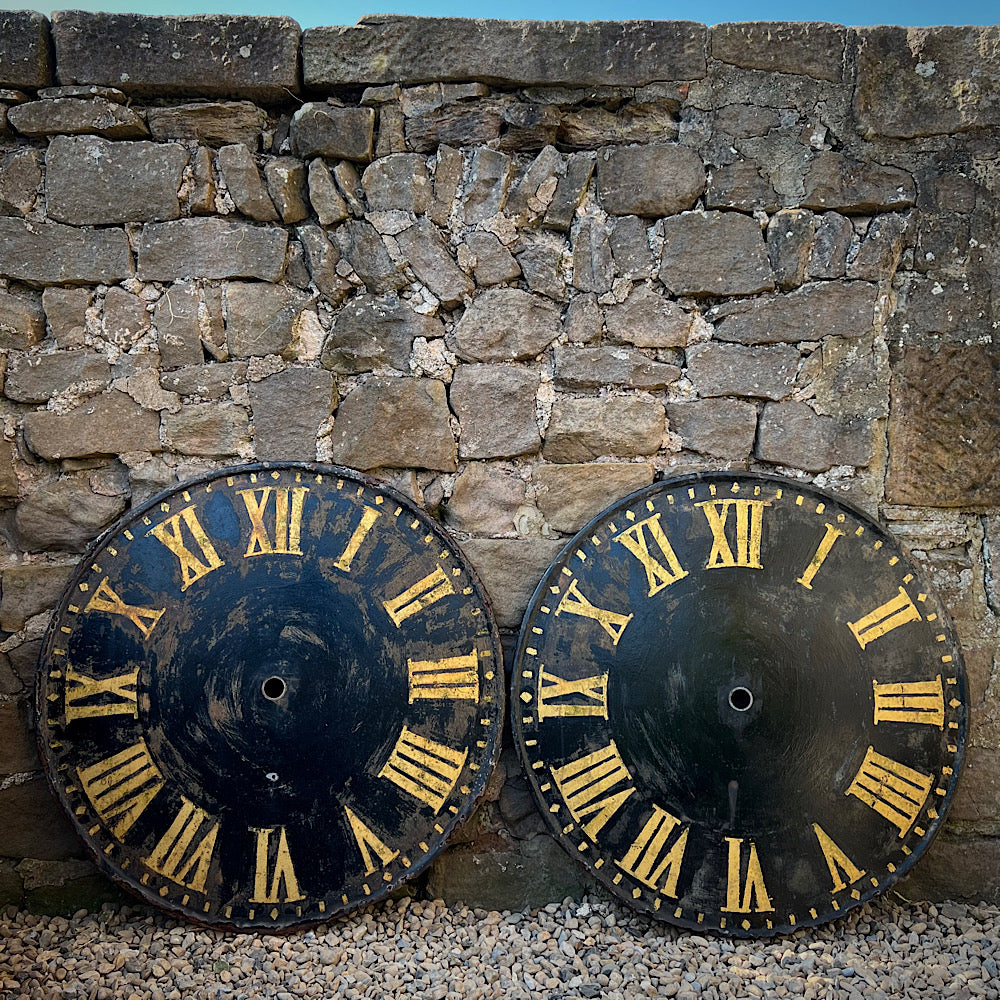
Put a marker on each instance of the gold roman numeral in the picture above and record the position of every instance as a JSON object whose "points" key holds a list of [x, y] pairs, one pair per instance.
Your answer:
{"points": [[421, 595], [837, 861], [452, 677], [893, 790], [912, 701], [749, 896], [747, 531], [85, 696], [658, 575], [822, 551], [886, 617], [368, 842], [650, 860], [368, 518], [105, 599], [574, 603], [426, 769], [596, 785], [285, 534], [171, 533], [121, 786], [269, 890], [184, 853], [594, 691]]}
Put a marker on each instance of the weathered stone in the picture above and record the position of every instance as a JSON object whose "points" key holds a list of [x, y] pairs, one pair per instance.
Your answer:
{"points": [[245, 184], [811, 312], [944, 426], [349, 183], [109, 424], [322, 258], [329, 206], [397, 423], [765, 372], [935, 81], [740, 186], [746, 120], [834, 236], [432, 263], [714, 253], [49, 253], [793, 434], [145, 388], [391, 135], [20, 178], [647, 319], [210, 430], [639, 122], [339, 133], [505, 324], [83, 90], [494, 263], [66, 313], [25, 810], [880, 251], [389, 49], [29, 590], [722, 428], [581, 430], [594, 367], [481, 393], [485, 500], [629, 242], [584, 319], [215, 123], [533, 193], [791, 234], [9, 484], [288, 410], [260, 318], [571, 495], [208, 55], [22, 321], [528, 126], [844, 380], [202, 189], [36, 378], [71, 116], [593, 268], [460, 125], [649, 180], [955, 308], [179, 326], [24, 50], [205, 381], [490, 174], [399, 182], [365, 251], [18, 748], [810, 48], [125, 318], [541, 261], [447, 177], [955, 868], [569, 192], [836, 181], [210, 248], [66, 514]]}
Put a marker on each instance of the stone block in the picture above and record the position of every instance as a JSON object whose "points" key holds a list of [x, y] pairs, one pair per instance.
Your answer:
{"points": [[649, 180], [569, 192], [721, 428], [584, 320], [18, 748], [596, 367], [66, 514], [528, 126], [210, 248], [349, 185], [72, 116], [489, 177], [447, 176], [638, 122], [593, 266], [647, 319], [202, 189], [881, 249], [629, 241], [856, 187], [955, 868], [764, 372], [460, 125], [793, 434], [398, 182], [109, 424], [844, 380], [322, 258], [205, 381], [30, 589], [714, 253], [581, 430], [178, 325], [944, 426], [365, 251], [741, 186], [493, 262], [505, 324], [49, 253], [935, 81], [571, 495], [260, 318], [326, 200], [495, 406], [66, 313], [535, 187], [396, 423], [393, 49], [433, 264], [834, 236], [214, 123], [20, 179], [32, 825], [9, 484], [62, 888], [812, 312], [540, 259], [206, 56], [337, 133], [791, 234], [36, 378], [22, 321], [24, 50], [288, 409], [485, 500], [125, 318], [812, 49], [246, 187], [209, 430]]}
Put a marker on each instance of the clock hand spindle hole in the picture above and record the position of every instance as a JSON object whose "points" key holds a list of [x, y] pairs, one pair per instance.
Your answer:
{"points": [[273, 688], [740, 699]]}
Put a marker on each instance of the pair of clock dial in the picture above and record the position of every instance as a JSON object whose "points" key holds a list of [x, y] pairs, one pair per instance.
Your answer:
{"points": [[270, 695]]}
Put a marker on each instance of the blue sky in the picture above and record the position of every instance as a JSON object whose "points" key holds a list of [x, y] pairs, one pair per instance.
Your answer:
{"points": [[310, 13]]}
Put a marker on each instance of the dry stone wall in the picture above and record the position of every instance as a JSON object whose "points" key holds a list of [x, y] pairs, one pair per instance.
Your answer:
{"points": [[517, 270]]}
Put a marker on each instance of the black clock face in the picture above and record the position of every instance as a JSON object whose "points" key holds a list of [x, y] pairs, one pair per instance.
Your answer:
{"points": [[269, 695], [739, 703]]}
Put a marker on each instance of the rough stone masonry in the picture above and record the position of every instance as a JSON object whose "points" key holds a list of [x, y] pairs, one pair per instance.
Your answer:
{"points": [[516, 270]]}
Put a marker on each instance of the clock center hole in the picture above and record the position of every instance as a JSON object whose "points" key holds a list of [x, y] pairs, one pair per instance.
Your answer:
{"points": [[274, 688], [740, 699]]}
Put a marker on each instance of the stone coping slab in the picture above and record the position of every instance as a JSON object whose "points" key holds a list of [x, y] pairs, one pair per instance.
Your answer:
{"points": [[25, 59]]}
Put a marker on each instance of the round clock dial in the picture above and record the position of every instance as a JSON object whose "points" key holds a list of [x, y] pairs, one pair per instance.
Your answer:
{"points": [[269, 695], [739, 703]]}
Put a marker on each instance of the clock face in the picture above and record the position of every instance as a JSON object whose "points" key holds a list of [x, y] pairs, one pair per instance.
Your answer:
{"points": [[739, 703], [269, 695]]}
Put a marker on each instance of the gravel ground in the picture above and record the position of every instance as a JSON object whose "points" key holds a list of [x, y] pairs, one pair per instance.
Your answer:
{"points": [[568, 950]]}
